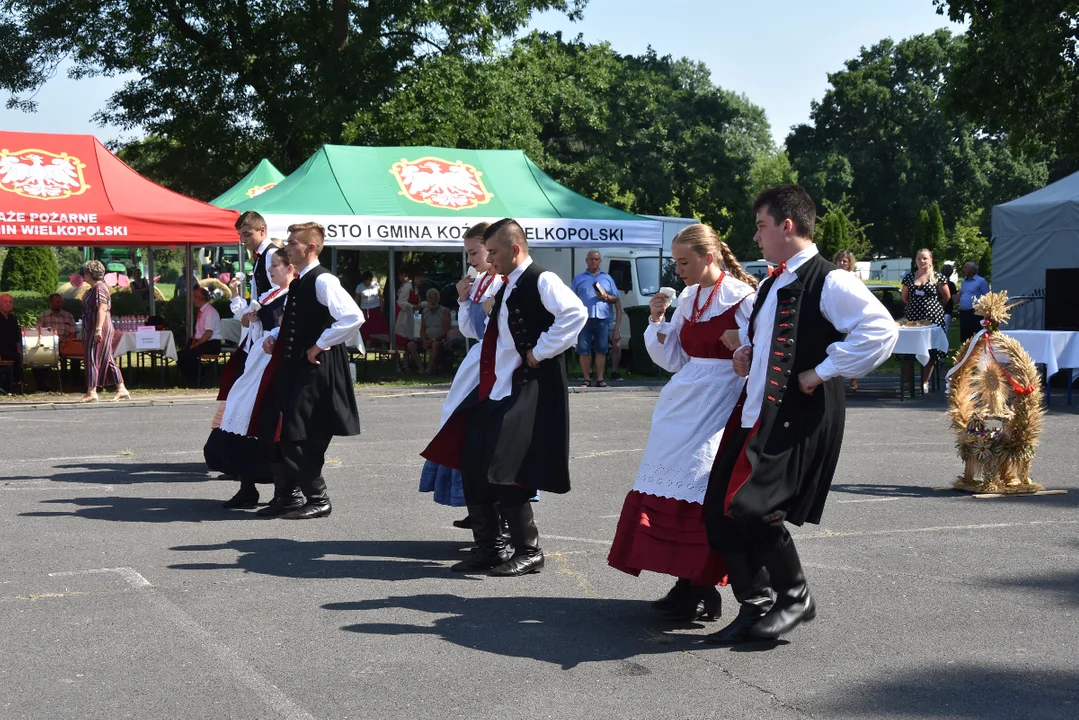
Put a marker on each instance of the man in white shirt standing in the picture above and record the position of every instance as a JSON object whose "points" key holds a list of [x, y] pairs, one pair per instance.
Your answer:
{"points": [[252, 229], [510, 436], [314, 391], [206, 339], [812, 326]]}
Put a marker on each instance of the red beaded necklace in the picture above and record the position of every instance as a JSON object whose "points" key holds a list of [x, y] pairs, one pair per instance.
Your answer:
{"points": [[711, 296], [481, 286]]}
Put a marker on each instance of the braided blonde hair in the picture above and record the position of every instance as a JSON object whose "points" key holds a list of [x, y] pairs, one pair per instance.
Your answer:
{"points": [[702, 239]]}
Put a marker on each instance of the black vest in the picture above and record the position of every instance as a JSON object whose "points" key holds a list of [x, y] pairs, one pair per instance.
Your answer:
{"points": [[305, 317], [800, 333], [528, 319], [259, 274]]}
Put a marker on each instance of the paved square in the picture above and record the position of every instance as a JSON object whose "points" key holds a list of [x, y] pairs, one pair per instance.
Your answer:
{"points": [[126, 591]]}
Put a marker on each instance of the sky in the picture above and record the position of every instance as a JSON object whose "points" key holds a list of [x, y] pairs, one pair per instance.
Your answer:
{"points": [[780, 59]]}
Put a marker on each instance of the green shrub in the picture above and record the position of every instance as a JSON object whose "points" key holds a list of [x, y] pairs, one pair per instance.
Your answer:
{"points": [[128, 303], [28, 307], [30, 268]]}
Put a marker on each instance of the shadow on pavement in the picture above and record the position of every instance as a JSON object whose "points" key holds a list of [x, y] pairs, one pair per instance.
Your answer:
{"points": [[888, 490], [563, 631], [128, 509], [124, 473], [986, 692], [363, 559]]}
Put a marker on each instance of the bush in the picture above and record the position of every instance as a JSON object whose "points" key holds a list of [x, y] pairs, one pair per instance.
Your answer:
{"points": [[125, 302], [28, 306], [30, 268]]}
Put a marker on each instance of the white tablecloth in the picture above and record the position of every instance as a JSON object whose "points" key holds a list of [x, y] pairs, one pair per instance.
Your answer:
{"points": [[1055, 349], [918, 341], [124, 342], [230, 331], [231, 328]]}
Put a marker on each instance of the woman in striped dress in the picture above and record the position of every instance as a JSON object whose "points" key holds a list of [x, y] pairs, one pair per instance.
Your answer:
{"points": [[101, 368]]}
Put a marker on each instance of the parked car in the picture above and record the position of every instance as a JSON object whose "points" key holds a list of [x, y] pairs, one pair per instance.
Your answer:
{"points": [[890, 297]]}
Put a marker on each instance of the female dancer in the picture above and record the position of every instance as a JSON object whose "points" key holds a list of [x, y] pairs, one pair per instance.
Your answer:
{"points": [[234, 447], [661, 528], [101, 367], [475, 300]]}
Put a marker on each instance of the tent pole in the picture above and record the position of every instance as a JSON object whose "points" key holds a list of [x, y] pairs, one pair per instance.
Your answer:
{"points": [[190, 293], [150, 277], [391, 283]]}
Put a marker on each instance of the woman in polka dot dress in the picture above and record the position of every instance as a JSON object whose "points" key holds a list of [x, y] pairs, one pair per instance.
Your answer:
{"points": [[925, 293]]}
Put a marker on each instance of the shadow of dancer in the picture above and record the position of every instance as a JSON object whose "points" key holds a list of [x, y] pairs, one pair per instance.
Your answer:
{"points": [[364, 559], [564, 631]]}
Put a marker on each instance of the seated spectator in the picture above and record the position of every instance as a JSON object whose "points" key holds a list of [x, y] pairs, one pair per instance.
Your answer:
{"points": [[10, 340], [139, 285], [62, 323], [434, 325], [207, 337]]}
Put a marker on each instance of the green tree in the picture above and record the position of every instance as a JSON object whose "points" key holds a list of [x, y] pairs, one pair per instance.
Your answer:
{"points": [[885, 119], [217, 85], [837, 229], [1018, 71], [970, 245], [771, 169], [936, 239], [31, 267], [645, 133], [921, 234]]}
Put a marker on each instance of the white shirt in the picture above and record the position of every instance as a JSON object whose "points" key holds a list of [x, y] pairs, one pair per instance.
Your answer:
{"points": [[669, 354], [346, 313], [208, 320], [569, 319], [464, 313], [849, 306], [368, 296]]}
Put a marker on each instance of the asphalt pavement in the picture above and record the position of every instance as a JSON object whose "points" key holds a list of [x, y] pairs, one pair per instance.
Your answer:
{"points": [[127, 592]]}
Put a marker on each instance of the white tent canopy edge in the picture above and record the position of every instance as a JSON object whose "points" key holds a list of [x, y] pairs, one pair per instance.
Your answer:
{"points": [[381, 231]]}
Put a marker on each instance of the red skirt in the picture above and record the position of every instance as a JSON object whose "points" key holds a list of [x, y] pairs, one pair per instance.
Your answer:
{"points": [[665, 536]]}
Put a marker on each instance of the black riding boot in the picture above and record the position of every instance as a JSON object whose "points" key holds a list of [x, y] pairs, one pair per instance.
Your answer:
{"points": [[246, 498], [793, 603], [751, 590], [490, 548], [318, 501], [674, 596], [286, 498], [527, 556]]}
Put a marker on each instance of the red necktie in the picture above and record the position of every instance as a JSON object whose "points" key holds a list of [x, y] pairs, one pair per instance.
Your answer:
{"points": [[490, 345], [778, 270]]}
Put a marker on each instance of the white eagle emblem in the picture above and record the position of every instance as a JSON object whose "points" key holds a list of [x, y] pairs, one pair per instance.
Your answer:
{"points": [[259, 189], [41, 174], [437, 182]]}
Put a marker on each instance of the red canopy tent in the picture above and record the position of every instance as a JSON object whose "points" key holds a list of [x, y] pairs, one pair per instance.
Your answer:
{"points": [[70, 190]]}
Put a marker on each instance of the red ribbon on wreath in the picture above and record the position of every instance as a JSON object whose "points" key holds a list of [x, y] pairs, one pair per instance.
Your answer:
{"points": [[1016, 387]]}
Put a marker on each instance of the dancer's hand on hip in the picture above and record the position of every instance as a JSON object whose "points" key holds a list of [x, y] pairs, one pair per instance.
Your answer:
{"points": [[808, 381], [267, 344], [531, 360], [312, 354]]}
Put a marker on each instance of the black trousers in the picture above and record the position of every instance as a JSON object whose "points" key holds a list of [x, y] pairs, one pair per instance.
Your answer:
{"points": [[188, 358], [969, 325], [477, 455], [302, 460], [16, 370]]}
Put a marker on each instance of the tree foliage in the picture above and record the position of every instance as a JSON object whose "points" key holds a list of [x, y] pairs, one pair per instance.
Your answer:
{"points": [[31, 267], [837, 229], [218, 85], [1018, 71], [883, 135], [648, 134]]}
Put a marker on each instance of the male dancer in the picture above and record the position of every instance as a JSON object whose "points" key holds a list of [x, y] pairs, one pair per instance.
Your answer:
{"points": [[510, 435], [780, 451], [313, 388]]}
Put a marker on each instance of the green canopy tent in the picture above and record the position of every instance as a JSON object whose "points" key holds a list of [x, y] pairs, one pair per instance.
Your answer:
{"points": [[426, 197], [419, 198], [261, 178]]}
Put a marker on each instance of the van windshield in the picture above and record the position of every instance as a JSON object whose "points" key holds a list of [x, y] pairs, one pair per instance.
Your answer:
{"points": [[650, 279]]}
